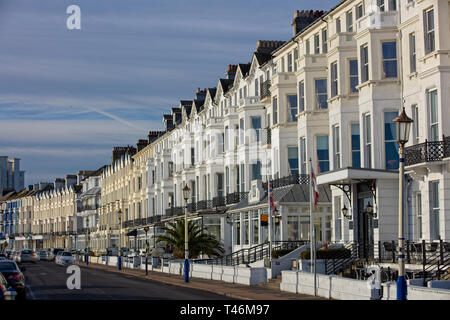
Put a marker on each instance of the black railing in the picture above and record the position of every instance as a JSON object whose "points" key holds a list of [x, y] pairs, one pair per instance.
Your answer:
{"points": [[429, 151], [174, 211], [265, 89], [236, 197], [266, 136], [288, 180], [89, 207], [253, 254], [433, 256]]}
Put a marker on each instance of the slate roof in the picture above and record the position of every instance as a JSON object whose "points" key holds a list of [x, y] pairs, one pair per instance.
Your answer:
{"points": [[92, 192], [245, 68], [262, 57], [227, 84], [293, 193]]}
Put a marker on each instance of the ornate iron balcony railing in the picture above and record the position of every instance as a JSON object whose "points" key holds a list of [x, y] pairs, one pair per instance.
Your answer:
{"points": [[429, 151], [265, 89]]}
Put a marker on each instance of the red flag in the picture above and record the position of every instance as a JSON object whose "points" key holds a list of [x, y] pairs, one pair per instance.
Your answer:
{"points": [[272, 204], [315, 188]]}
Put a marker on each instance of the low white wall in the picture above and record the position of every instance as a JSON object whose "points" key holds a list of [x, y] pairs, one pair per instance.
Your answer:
{"points": [[440, 284], [415, 292], [334, 287]]}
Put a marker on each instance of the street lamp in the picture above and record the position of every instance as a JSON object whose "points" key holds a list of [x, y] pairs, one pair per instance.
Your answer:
{"points": [[119, 258], [369, 210], [146, 250], [345, 213], [403, 127], [68, 236], [186, 194], [87, 240]]}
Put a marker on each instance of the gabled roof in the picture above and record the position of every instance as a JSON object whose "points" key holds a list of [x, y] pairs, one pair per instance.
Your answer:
{"points": [[245, 68], [262, 57], [226, 85]]}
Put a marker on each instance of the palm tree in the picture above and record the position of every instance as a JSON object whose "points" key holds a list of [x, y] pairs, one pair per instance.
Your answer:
{"points": [[199, 241]]}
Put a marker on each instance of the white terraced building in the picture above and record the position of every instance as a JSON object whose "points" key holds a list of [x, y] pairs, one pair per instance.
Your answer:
{"points": [[330, 93]]}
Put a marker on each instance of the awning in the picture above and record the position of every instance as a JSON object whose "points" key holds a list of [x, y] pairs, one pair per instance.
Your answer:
{"points": [[39, 237], [355, 175], [19, 238]]}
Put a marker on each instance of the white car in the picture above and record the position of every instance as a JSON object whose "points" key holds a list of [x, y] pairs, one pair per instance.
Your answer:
{"points": [[65, 258], [58, 255]]}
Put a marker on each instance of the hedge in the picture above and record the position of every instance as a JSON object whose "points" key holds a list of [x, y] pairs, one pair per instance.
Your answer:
{"points": [[338, 253], [279, 253]]}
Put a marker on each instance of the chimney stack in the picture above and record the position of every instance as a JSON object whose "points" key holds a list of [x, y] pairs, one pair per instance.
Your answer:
{"points": [[231, 71], [303, 18]]}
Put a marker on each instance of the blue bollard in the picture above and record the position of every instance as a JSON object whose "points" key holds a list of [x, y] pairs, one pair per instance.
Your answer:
{"points": [[87, 258], [119, 263], [401, 288], [186, 270]]}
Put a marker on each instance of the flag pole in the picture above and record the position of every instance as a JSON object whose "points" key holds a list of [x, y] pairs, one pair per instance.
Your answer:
{"points": [[311, 227], [269, 217]]}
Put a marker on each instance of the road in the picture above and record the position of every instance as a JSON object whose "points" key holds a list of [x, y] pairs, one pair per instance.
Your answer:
{"points": [[47, 281]]}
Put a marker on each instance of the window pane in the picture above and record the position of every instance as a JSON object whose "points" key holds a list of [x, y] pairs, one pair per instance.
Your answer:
{"points": [[292, 107], [293, 159], [322, 153]]}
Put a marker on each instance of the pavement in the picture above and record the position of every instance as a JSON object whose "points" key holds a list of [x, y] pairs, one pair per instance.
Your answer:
{"points": [[231, 290]]}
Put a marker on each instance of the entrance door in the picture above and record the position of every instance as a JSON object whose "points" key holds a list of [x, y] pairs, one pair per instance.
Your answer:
{"points": [[365, 222]]}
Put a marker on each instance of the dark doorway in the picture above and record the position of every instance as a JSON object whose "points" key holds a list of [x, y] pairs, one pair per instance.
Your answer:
{"points": [[365, 225]]}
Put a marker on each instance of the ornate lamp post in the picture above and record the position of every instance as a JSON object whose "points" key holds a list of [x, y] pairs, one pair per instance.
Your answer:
{"points": [[403, 127], [119, 258], [186, 194], [146, 250], [87, 240]]}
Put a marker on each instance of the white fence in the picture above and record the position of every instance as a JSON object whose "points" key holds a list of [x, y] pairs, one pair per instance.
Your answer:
{"points": [[336, 287]]}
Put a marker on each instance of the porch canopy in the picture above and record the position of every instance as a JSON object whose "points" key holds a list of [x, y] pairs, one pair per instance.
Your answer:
{"points": [[351, 175]]}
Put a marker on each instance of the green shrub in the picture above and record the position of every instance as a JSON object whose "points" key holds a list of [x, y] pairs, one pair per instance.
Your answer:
{"points": [[338, 253], [279, 253]]}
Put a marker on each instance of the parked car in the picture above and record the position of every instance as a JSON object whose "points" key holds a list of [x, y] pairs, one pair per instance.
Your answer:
{"points": [[56, 250], [3, 287], [15, 256], [58, 255], [28, 255], [65, 258], [3, 256], [45, 255], [14, 277]]}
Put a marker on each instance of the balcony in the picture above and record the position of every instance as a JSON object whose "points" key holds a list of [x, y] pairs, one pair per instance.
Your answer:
{"points": [[265, 90], [174, 211], [377, 20], [429, 151], [288, 180], [266, 136], [249, 101]]}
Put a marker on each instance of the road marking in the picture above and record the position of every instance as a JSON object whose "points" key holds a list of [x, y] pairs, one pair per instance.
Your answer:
{"points": [[31, 292]]}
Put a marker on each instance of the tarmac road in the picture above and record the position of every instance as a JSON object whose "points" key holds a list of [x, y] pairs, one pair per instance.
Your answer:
{"points": [[47, 281]]}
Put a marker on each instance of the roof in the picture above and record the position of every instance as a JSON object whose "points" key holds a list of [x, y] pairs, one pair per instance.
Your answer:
{"points": [[226, 84], [262, 57], [288, 194], [92, 192], [245, 68]]}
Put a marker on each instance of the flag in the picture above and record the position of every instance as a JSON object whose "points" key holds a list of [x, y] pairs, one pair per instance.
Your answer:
{"points": [[271, 203], [314, 187]]}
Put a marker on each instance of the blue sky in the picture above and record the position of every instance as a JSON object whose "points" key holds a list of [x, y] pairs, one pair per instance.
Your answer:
{"points": [[68, 96]]}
